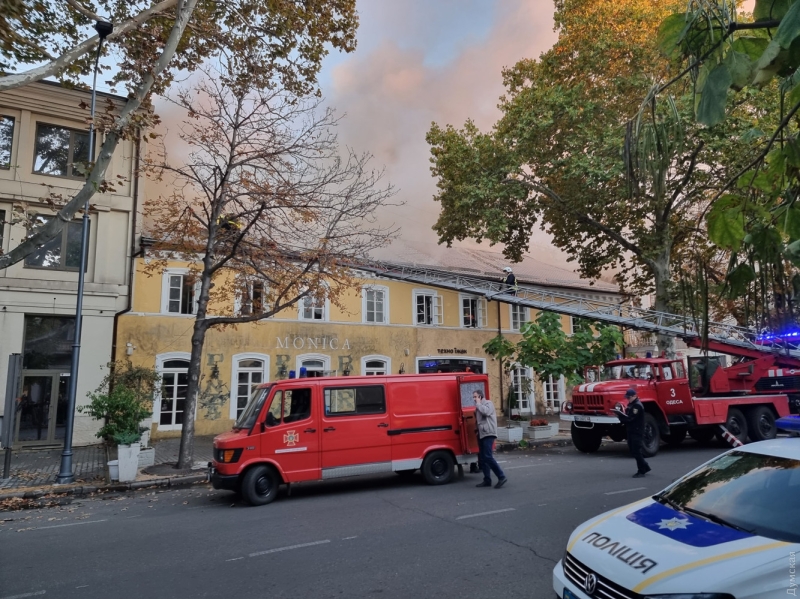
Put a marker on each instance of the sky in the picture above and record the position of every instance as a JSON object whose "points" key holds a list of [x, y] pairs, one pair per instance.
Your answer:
{"points": [[423, 61]]}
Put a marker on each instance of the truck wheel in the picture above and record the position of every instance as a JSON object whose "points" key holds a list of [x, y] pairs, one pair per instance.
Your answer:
{"points": [[703, 435], [651, 438], [676, 436], [260, 485], [586, 440], [736, 425], [437, 469], [761, 424]]}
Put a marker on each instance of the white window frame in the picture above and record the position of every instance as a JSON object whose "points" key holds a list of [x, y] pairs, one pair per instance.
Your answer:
{"points": [[160, 360], [437, 307], [235, 376], [481, 308], [325, 311], [326, 362], [559, 387], [527, 372], [364, 291], [237, 301], [165, 291], [385, 359], [526, 315]]}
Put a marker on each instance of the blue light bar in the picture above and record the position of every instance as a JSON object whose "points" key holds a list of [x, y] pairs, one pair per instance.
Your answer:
{"points": [[790, 424]]}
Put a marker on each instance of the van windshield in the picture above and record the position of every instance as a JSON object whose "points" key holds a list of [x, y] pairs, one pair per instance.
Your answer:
{"points": [[252, 409]]}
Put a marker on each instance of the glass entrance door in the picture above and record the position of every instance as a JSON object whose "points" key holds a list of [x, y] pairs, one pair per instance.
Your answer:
{"points": [[42, 409]]}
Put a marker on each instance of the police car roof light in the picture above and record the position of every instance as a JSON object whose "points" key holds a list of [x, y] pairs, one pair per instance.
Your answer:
{"points": [[789, 423]]}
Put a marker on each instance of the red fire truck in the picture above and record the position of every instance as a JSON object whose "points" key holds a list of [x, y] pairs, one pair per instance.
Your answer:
{"points": [[692, 398], [331, 427]]}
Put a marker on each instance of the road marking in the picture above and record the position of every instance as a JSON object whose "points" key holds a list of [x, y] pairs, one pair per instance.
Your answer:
{"points": [[63, 525], [349, 538], [625, 491], [234, 559], [36, 594], [526, 466], [300, 546], [508, 509]]}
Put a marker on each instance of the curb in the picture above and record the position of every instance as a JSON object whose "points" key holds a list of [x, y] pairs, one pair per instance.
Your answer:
{"points": [[83, 490], [552, 442]]}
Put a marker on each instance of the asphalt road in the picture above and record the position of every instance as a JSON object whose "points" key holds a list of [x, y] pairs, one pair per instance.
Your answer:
{"points": [[378, 537]]}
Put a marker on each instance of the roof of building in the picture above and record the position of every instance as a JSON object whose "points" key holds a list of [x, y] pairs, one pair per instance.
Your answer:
{"points": [[485, 263]]}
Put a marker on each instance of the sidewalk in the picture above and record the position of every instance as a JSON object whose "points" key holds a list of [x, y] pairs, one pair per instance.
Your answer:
{"points": [[38, 468]]}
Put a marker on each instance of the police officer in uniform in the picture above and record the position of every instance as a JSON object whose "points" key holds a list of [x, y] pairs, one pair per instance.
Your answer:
{"points": [[633, 419]]}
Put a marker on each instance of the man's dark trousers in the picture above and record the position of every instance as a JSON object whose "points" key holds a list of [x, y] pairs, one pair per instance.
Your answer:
{"points": [[635, 445], [487, 461]]}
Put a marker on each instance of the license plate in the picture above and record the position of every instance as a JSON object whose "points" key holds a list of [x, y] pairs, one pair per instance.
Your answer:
{"points": [[570, 595], [583, 418]]}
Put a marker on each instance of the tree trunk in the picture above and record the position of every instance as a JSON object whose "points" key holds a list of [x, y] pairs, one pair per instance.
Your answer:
{"points": [[661, 266], [186, 452]]}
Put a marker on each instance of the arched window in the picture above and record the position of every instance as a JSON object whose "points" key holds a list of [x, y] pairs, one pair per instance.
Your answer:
{"points": [[315, 364], [248, 371], [376, 365], [168, 409]]}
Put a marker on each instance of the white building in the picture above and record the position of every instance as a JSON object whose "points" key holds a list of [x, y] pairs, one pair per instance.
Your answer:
{"points": [[43, 139]]}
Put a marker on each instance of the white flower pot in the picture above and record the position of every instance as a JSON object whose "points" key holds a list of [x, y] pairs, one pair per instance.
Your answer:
{"points": [[509, 434], [128, 457], [537, 433]]}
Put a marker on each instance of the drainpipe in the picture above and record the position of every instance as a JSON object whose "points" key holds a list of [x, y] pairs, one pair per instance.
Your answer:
{"points": [[500, 361], [134, 252]]}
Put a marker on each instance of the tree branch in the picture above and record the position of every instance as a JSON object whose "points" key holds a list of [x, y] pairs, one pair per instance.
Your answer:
{"points": [[54, 226], [85, 11], [683, 182], [62, 62]]}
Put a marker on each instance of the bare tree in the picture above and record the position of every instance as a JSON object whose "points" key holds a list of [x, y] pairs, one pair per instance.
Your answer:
{"points": [[265, 211]]}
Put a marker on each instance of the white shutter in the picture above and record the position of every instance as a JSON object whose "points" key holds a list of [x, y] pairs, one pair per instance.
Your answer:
{"points": [[482, 309], [562, 389], [437, 309]]}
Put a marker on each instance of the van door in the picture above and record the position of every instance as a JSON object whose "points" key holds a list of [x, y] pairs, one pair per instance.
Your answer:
{"points": [[290, 432], [467, 385], [354, 424]]}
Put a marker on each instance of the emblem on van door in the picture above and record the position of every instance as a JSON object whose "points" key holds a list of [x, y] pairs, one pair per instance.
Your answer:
{"points": [[590, 584], [291, 438]]}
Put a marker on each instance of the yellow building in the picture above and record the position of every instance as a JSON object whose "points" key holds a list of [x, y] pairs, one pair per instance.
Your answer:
{"points": [[385, 326]]}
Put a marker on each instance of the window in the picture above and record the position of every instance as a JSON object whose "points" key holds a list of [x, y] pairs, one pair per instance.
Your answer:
{"points": [[374, 304], [679, 371], [427, 308], [60, 152], [174, 383], [519, 316], [311, 309], [60, 253], [522, 388], [473, 312], [375, 365], [667, 372], [248, 372], [355, 400], [252, 299], [291, 405], [553, 393], [179, 292], [48, 342], [6, 139]]}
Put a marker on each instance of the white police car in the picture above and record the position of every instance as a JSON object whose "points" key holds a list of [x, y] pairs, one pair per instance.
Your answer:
{"points": [[729, 529]]}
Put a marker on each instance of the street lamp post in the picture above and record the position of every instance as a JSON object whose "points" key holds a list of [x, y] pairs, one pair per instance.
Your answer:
{"points": [[65, 474]]}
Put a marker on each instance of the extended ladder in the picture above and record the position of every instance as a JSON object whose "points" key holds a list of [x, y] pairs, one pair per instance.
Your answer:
{"points": [[573, 305]]}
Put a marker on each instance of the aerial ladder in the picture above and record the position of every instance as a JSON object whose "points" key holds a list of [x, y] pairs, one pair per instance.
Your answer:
{"points": [[768, 363]]}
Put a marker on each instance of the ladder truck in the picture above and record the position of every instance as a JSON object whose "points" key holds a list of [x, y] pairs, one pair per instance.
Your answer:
{"points": [[700, 398]]}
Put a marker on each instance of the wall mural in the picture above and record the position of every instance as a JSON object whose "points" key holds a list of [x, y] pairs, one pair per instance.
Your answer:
{"points": [[216, 393]]}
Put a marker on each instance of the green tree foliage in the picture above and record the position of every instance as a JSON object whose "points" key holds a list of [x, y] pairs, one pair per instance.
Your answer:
{"points": [[549, 351]]}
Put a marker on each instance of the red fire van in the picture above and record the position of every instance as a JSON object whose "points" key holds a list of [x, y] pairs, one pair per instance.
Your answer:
{"points": [[322, 428]]}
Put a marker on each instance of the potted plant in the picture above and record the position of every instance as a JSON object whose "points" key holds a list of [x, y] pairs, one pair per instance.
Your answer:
{"points": [[123, 400], [540, 428]]}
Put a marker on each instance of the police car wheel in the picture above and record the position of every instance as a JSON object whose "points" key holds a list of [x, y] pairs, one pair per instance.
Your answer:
{"points": [[437, 469], [260, 485], [761, 424], [651, 438]]}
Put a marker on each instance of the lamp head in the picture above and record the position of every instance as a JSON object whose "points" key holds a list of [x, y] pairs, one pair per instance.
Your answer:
{"points": [[103, 29]]}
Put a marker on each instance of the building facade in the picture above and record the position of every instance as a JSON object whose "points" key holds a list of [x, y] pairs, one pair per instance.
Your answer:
{"points": [[43, 146], [384, 326]]}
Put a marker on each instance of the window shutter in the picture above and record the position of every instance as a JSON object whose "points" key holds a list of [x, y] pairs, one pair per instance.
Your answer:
{"points": [[437, 309], [482, 309], [561, 388], [196, 298]]}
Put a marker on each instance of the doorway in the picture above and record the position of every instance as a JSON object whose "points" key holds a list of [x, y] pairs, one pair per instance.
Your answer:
{"points": [[42, 411]]}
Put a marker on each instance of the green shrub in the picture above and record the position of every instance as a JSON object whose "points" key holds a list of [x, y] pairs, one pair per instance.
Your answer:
{"points": [[122, 409]]}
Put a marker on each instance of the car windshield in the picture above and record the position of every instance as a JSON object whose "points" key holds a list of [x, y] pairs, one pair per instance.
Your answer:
{"points": [[248, 417], [758, 493], [627, 371]]}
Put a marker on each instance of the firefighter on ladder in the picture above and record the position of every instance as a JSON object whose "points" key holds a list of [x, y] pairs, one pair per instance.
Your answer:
{"points": [[510, 280]]}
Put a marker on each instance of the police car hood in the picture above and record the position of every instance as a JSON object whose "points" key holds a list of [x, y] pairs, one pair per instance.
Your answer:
{"points": [[650, 548]]}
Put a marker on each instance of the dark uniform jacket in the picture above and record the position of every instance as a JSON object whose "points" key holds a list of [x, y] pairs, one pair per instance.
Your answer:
{"points": [[633, 418], [510, 280]]}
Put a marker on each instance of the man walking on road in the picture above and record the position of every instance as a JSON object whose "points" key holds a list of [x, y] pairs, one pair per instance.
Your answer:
{"points": [[633, 419], [487, 434]]}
